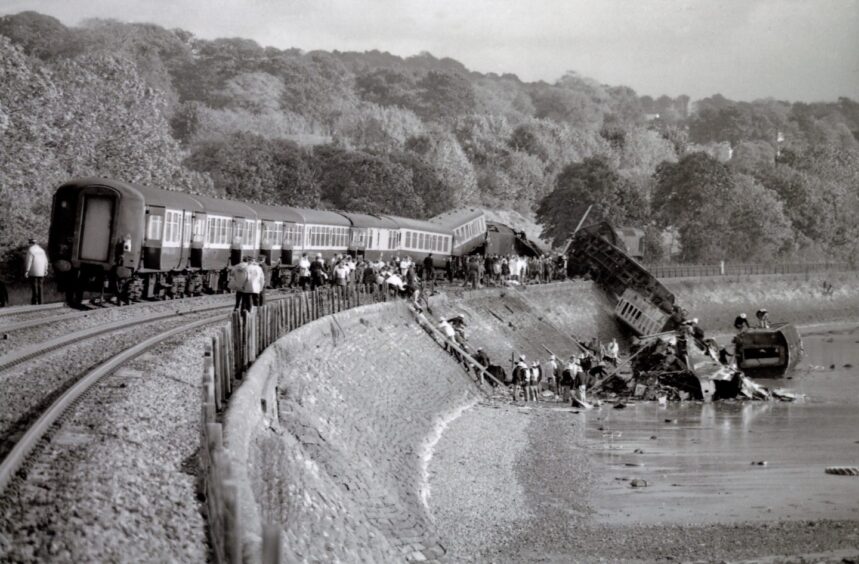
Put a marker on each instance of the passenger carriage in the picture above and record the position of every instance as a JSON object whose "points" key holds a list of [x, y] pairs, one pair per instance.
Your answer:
{"points": [[320, 232], [372, 237], [107, 233], [418, 238], [468, 226]]}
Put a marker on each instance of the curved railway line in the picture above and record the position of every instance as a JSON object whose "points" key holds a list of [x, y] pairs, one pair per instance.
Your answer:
{"points": [[20, 437], [41, 427]]}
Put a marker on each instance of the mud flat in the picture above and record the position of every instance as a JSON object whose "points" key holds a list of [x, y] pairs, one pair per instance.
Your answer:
{"points": [[560, 481]]}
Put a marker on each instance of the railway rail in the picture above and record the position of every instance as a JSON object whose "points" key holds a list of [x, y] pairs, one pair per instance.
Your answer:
{"points": [[17, 310], [43, 424]]}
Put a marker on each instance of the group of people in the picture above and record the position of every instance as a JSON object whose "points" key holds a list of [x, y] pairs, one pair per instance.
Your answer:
{"points": [[498, 270], [400, 274], [527, 380], [741, 322], [247, 280]]}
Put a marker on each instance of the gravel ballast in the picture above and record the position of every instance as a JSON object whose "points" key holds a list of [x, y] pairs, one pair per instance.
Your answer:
{"points": [[116, 482]]}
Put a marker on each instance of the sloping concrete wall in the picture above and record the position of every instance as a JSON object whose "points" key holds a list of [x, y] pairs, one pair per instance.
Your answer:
{"points": [[524, 320], [340, 459]]}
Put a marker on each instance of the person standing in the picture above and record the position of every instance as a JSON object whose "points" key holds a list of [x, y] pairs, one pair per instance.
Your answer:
{"points": [[238, 276], [429, 271], [613, 352], [304, 271], [37, 268], [253, 285], [552, 381], [741, 323]]}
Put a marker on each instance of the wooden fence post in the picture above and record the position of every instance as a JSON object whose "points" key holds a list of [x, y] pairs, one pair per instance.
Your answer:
{"points": [[232, 523], [271, 544]]}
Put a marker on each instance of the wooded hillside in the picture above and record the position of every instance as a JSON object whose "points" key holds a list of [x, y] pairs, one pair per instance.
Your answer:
{"points": [[414, 136]]}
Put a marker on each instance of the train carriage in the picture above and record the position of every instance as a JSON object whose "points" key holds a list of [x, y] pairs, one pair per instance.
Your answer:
{"points": [[107, 233], [324, 232], [371, 236], [418, 238], [468, 226], [279, 230]]}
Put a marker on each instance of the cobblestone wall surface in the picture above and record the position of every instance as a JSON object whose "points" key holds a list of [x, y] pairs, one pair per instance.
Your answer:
{"points": [[524, 320], [339, 461]]}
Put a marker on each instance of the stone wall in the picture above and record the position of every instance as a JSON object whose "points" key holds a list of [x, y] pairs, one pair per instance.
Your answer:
{"points": [[339, 461], [524, 320], [796, 298]]}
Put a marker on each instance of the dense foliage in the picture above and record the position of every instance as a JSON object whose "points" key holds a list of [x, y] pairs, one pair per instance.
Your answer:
{"points": [[759, 180]]}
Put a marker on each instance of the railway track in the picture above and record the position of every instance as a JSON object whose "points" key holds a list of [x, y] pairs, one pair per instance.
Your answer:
{"points": [[37, 349], [71, 396], [19, 310]]}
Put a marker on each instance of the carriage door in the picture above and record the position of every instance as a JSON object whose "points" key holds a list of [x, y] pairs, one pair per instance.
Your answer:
{"points": [[97, 227]]}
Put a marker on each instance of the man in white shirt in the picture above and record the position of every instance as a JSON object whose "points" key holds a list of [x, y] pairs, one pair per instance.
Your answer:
{"points": [[254, 284], [37, 268]]}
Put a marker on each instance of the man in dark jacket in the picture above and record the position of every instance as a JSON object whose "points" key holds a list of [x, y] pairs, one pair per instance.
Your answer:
{"points": [[741, 323], [429, 271]]}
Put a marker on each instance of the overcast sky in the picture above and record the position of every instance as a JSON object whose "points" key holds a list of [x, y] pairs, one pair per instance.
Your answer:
{"points": [[744, 49]]}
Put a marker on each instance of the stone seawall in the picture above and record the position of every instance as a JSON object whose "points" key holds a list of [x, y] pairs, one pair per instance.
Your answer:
{"points": [[796, 298], [524, 320], [353, 405]]}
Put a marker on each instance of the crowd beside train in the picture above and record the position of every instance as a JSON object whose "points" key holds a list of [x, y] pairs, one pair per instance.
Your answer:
{"points": [[400, 274]]}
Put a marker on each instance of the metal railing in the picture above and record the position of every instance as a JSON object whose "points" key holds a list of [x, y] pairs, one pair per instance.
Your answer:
{"points": [[728, 269]]}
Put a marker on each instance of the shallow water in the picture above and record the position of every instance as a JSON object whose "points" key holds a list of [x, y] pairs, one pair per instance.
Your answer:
{"points": [[697, 458]]}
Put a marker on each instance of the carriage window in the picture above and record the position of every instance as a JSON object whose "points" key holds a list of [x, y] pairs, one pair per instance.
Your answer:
{"points": [[250, 232], [171, 226], [153, 229], [186, 228]]}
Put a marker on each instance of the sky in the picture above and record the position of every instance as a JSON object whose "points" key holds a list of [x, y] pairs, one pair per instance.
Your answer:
{"points": [[805, 50]]}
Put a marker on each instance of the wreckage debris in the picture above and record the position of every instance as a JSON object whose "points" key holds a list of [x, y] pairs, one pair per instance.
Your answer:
{"points": [[638, 483], [674, 366]]}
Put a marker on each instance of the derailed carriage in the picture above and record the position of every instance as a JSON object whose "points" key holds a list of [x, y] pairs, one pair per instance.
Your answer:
{"points": [[644, 304]]}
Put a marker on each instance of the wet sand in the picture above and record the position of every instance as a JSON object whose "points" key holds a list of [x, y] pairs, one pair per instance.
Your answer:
{"points": [[559, 482]]}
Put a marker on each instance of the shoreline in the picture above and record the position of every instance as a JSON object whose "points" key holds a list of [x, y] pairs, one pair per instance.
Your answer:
{"points": [[543, 479], [537, 464]]}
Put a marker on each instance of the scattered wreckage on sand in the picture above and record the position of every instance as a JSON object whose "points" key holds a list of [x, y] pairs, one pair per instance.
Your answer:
{"points": [[668, 362]]}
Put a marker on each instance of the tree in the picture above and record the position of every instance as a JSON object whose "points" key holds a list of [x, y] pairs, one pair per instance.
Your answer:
{"points": [[360, 181], [691, 196], [251, 168], [719, 215], [579, 185], [445, 95]]}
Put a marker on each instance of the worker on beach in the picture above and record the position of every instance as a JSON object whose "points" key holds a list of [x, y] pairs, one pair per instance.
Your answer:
{"points": [[612, 352], [741, 323], [763, 318]]}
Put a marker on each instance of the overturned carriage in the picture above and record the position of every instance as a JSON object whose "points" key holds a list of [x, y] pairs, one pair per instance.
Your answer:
{"points": [[643, 303]]}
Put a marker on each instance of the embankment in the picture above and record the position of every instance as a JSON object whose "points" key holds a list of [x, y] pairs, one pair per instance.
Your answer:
{"points": [[352, 404], [525, 320]]}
